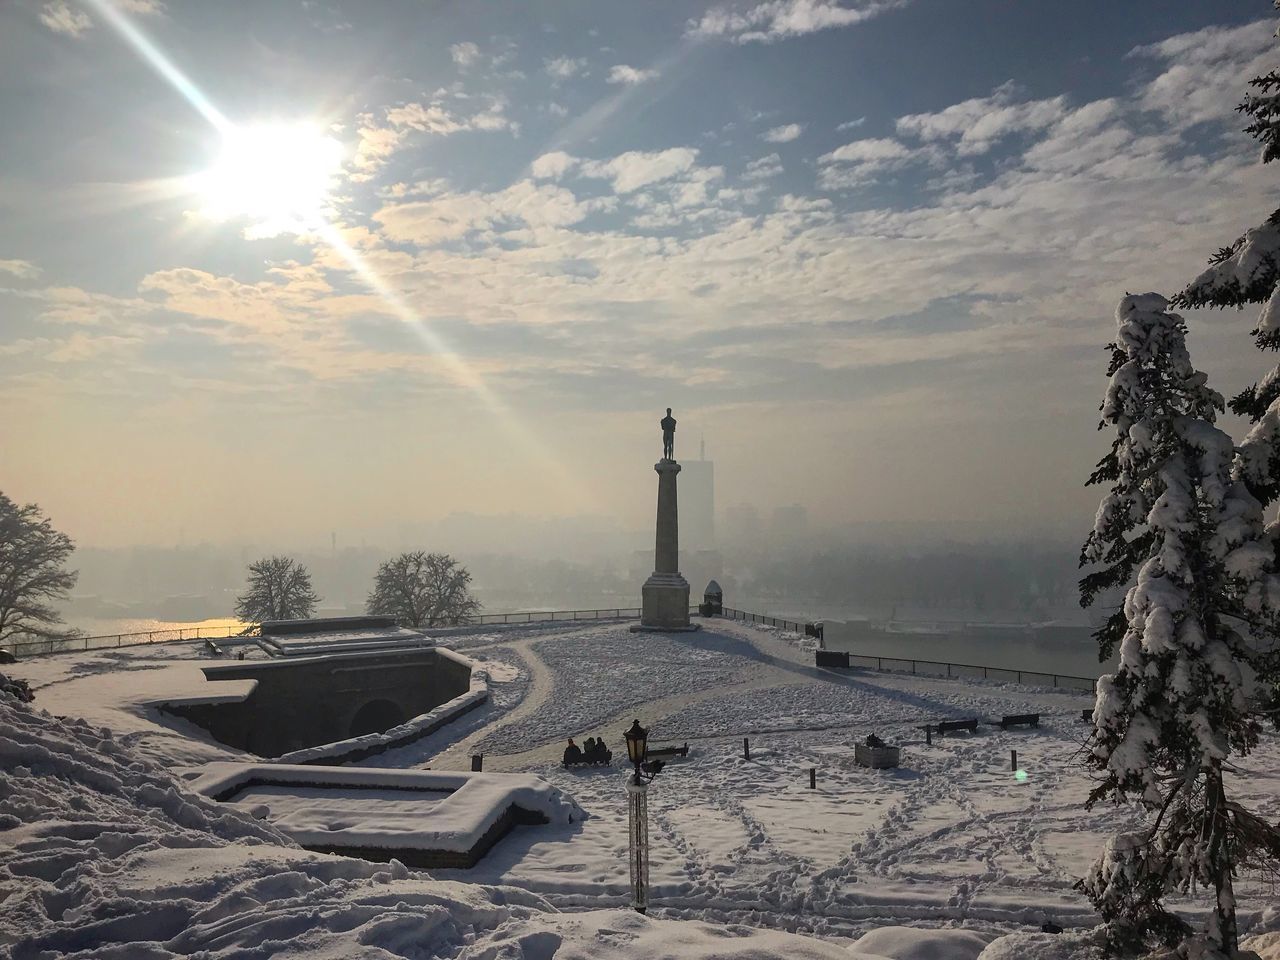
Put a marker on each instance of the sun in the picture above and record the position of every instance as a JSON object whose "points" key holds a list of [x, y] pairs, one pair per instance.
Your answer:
{"points": [[278, 175]]}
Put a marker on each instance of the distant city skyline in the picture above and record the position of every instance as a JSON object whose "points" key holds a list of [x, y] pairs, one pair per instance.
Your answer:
{"points": [[271, 270]]}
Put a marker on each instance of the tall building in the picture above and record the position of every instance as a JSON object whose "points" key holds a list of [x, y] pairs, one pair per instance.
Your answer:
{"points": [[698, 502]]}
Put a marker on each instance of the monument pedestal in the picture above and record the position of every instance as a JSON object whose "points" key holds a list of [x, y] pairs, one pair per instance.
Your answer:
{"points": [[665, 596]]}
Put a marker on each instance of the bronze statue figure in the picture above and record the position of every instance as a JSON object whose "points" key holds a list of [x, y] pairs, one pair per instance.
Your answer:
{"points": [[668, 424]]}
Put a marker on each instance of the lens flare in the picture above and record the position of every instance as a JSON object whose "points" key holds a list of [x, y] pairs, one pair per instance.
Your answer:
{"points": [[276, 173]]}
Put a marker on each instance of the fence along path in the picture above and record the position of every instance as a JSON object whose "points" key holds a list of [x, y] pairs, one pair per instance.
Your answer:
{"points": [[824, 658], [30, 648], [942, 668]]}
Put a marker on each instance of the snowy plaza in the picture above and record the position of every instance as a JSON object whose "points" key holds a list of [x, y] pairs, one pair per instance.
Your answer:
{"points": [[105, 854]]}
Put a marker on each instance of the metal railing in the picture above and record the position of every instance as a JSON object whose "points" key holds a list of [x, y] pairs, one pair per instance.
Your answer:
{"points": [[109, 641], [546, 616], [794, 625], [942, 668]]}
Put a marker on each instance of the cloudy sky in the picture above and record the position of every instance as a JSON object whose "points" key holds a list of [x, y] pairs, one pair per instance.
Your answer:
{"points": [[271, 269]]}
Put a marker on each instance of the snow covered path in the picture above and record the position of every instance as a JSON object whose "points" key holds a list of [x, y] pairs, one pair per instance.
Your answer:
{"points": [[954, 836]]}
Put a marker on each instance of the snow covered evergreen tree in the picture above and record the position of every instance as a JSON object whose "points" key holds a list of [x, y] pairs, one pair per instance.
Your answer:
{"points": [[1248, 272], [1186, 537]]}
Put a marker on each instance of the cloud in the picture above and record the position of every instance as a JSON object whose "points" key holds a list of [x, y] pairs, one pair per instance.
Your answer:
{"points": [[464, 54], [979, 123], [22, 269], [851, 124], [453, 216], [638, 168], [763, 167], [779, 19], [552, 166], [379, 138], [562, 68], [783, 134], [1206, 69], [861, 161], [621, 73], [58, 16]]}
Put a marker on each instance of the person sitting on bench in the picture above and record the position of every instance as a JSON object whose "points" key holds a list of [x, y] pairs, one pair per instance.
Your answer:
{"points": [[598, 752], [572, 753]]}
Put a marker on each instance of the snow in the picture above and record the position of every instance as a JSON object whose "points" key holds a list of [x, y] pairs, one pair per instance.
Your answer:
{"points": [[361, 639], [1254, 261], [1045, 946], [908, 943], [744, 853]]}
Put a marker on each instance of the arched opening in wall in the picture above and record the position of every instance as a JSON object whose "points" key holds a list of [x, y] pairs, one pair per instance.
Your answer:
{"points": [[376, 716]]}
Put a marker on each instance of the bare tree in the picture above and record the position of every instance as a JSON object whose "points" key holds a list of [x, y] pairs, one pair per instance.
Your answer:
{"points": [[33, 573], [279, 589], [423, 590]]}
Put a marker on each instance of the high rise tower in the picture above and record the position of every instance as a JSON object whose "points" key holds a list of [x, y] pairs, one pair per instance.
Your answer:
{"points": [[698, 502]]}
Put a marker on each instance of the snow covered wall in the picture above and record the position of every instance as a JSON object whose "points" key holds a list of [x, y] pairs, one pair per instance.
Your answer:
{"points": [[448, 819], [336, 708]]}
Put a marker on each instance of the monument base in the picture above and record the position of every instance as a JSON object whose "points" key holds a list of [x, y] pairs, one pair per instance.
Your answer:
{"points": [[665, 603], [687, 628]]}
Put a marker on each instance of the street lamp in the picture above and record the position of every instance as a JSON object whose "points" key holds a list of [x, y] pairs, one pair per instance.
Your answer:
{"points": [[638, 813], [637, 745]]}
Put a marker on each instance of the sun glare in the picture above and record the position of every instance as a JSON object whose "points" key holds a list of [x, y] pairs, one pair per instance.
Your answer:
{"points": [[278, 175]]}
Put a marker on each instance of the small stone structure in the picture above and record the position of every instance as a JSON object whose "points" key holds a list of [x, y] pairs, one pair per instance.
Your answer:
{"points": [[712, 600], [877, 758], [445, 819], [305, 638], [300, 702]]}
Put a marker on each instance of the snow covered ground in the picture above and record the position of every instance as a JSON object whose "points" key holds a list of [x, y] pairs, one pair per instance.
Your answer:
{"points": [[954, 844]]}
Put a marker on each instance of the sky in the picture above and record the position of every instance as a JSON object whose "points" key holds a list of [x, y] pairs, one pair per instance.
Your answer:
{"points": [[274, 269]]}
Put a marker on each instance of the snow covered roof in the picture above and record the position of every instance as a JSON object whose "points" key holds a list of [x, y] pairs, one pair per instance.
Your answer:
{"points": [[296, 638]]}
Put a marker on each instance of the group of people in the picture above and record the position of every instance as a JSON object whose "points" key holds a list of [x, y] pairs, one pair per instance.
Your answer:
{"points": [[592, 751]]}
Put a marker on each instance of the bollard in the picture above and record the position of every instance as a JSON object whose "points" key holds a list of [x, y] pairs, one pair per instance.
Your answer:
{"points": [[813, 778], [477, 762], [928, 735], [746, 749], [1013, 760]]}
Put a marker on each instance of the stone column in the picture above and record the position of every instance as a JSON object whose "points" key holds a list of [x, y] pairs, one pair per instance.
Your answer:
{"points": [[666, 552], [665, 595]]}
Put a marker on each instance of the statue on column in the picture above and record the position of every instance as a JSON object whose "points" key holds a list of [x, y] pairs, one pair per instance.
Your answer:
{"points": [[668, 424]]}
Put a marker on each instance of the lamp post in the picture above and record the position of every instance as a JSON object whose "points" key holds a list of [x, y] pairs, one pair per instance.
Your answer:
{"points": [[638, 816]]}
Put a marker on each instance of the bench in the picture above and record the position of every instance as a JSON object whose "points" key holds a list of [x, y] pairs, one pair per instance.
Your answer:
{"points": [[831, 658], [594, 759], [666, 753], [952, 726], [1019, 719], [593, 762], [213, 648]]}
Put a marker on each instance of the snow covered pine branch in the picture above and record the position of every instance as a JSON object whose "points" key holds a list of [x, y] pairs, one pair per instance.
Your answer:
{"points": [[1185, 536]]}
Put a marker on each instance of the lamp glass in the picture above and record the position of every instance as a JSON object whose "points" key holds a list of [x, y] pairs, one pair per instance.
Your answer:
{"points": [[637, 742]]}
